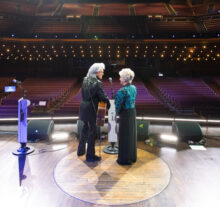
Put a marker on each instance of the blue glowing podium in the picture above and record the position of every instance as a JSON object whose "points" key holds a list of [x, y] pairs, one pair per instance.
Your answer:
{"points": [[22, 127]]}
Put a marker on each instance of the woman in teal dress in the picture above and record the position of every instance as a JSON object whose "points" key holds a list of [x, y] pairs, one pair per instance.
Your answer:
{"points": [[125, 109]]}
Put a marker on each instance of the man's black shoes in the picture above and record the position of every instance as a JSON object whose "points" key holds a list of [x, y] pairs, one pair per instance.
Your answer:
{"points": [[93, 158]]}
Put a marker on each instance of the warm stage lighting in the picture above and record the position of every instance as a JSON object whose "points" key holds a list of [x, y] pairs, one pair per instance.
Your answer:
{"points": [[60, 135], [168, 138]]}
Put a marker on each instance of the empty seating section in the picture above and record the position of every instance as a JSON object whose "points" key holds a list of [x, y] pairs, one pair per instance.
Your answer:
{"points": [[114, 10], [6, 25], [7, 110], [4, 81], [145, 103], [47, 8], [212, 25], [171, 27], [182, 10], [49, 90], [17, 8], [189, 95], [108, 27], [71, 106], [217, 81], [57, 27], [201, 10], [77, 9], [151, 9], [217, 7]]}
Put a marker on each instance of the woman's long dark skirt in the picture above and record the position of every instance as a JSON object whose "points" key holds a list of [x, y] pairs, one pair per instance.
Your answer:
{"points": [[127, 142]]}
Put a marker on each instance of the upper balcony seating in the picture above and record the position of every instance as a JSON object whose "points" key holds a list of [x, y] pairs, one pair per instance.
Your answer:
{"points": [[47, 8], [18, 8], [107, 26], [201, 9], [182, 9], [212, 25], [56, 27], [114, 10], [172, 27], [77, 9], [151, 9]]}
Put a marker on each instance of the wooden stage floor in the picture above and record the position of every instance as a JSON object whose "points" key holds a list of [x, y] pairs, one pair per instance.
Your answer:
{"points": [[188, 178]]}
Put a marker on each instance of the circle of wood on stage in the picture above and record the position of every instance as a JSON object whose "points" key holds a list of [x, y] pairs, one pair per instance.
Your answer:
{"points": [[108, 183]]}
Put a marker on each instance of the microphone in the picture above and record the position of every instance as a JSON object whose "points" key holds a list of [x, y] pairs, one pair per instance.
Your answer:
{"points": [[110, 80], [16, 81]]}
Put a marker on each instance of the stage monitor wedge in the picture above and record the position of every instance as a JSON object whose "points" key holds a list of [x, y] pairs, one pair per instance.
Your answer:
{"points": [[187, 131], [39, 129]]}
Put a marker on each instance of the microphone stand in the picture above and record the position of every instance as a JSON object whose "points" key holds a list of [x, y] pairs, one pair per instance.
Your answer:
{"points": [[112, 89], [111, 149]]}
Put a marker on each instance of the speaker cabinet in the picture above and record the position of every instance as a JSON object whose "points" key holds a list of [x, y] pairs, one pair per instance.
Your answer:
{"points": [[142, 129], [187, 131], [39, 129]]}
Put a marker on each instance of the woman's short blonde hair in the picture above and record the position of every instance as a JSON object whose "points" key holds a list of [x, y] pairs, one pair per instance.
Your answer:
{"points": [[127, 75]]}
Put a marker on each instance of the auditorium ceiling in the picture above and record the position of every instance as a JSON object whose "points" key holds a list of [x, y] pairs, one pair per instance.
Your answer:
{"points": [[109, 7]]}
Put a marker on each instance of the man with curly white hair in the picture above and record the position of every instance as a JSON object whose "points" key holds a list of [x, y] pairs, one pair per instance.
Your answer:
{"points": [[125, 108], [92, 93]]}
